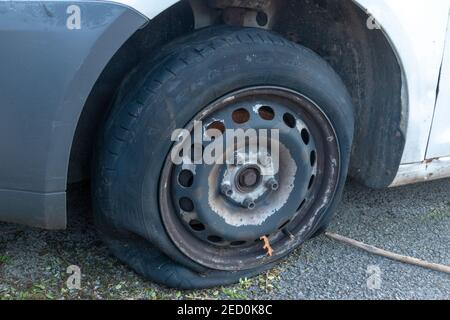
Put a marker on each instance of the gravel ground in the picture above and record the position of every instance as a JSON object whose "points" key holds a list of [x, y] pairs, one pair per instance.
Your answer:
{"points": [[412, 220]]}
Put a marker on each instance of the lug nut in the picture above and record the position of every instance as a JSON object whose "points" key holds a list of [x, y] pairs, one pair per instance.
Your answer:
{"points": [[249, 204], [273, 184], [226, 190]]}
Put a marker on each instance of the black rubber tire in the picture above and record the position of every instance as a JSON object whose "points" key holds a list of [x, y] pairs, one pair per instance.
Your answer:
{"points": [[164, 94]]}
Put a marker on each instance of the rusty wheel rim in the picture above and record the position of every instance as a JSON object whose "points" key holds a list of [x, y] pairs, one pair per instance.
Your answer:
{"points": [[216, 214]]}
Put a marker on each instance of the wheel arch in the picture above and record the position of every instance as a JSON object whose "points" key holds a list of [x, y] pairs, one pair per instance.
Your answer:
{"points": [[366, 60]]}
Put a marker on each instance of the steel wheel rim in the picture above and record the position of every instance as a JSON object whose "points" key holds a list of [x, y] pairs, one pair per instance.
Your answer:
{"points": [[291, 227]]}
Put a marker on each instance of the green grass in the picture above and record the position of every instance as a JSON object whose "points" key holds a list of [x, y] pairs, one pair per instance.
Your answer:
{"points": [[4, 259]]}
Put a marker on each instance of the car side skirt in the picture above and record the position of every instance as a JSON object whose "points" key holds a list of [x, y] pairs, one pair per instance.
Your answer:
{"points": [[429, 170], [44, 210]]}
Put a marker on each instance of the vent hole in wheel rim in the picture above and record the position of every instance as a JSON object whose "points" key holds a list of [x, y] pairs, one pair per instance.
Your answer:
{"points": [[313, 158], [186, 178], [266, 113], [186, 204], [311, 182], [197, 225], [305, 136], [215, 239], [214, 128], [289, 120], [241, 116]]}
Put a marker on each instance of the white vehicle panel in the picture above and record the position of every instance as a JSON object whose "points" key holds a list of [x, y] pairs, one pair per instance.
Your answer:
{"points": [[150, 9], [440, 134], [417, 30], [429, 170]]}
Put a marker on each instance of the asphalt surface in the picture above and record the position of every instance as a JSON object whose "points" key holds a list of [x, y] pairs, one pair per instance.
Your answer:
{"points": [[412, 220]]}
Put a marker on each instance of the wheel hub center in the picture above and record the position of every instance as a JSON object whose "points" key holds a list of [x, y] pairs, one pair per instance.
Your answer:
{"points": [[249, 178]]}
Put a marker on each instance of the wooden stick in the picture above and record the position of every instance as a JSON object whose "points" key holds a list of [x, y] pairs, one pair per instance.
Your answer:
{"points": [[389, 255]]}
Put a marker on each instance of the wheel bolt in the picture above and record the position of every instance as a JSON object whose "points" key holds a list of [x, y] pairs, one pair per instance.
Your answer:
{"points": [[249, 204], [273, 184], [226, 190]]}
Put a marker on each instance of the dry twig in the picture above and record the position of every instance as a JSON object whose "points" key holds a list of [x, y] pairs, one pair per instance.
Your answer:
{"points": [[388, 254], [267, 246]]}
